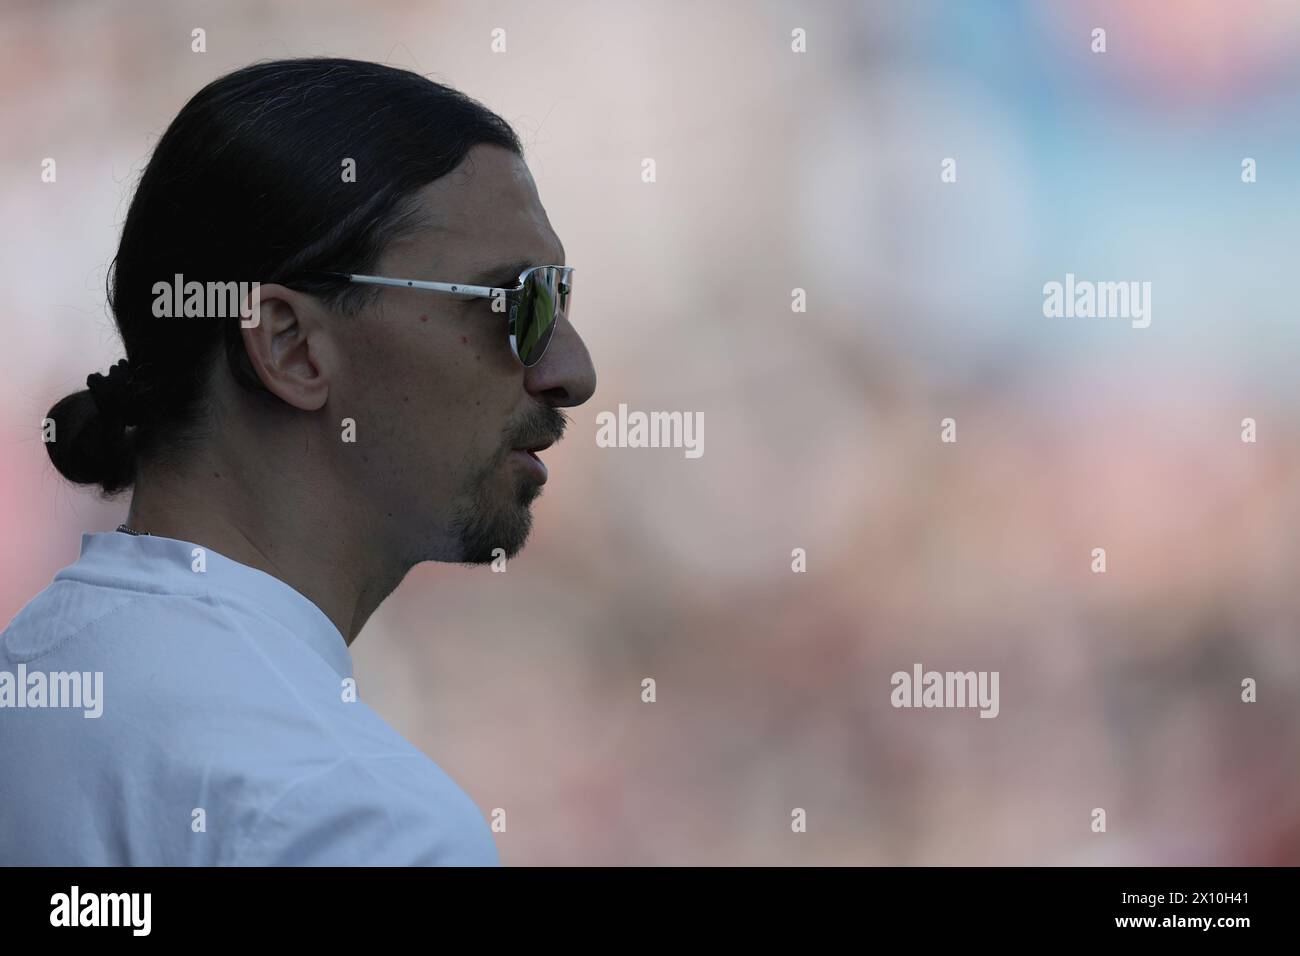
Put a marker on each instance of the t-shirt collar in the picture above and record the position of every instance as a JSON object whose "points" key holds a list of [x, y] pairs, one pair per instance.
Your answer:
{"points": [[161, 565]]}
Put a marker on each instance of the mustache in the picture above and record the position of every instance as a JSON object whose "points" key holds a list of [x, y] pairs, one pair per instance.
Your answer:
{"points": [[547, 424]]}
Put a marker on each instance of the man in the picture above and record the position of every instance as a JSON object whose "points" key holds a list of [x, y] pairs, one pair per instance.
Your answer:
{"points": [[379, 403]]}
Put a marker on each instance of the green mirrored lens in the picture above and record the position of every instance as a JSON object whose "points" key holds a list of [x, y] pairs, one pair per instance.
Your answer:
{"points": [[541, 301]]}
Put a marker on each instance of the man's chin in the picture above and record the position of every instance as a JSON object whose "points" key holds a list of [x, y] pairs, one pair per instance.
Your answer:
{"points": [[498, 537], [487, 529]]}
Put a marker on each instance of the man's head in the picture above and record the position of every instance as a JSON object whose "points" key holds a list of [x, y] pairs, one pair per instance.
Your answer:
{"points": [[408, 404]]}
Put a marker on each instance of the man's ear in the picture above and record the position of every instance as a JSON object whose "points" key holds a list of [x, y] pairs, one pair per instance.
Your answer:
{"points": [[289, 346]]}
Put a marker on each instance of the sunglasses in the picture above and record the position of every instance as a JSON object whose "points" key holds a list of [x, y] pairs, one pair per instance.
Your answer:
{"points": [[532, 308]]}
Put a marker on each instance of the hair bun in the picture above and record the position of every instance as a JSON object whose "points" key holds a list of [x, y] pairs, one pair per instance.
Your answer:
{"points": [[113, 394], [91, 444]]}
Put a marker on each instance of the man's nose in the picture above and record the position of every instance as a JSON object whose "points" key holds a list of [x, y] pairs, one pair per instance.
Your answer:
{"points": [[565, 376]]}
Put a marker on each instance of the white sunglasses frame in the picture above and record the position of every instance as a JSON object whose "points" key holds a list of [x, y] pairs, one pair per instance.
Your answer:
{"points": [[477, 291]]}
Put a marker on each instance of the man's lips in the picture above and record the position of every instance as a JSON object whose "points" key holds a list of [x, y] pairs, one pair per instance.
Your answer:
{"points": [[539, 446], [528, 455]]}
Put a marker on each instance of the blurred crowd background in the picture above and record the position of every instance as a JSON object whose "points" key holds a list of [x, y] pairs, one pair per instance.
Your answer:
{"points": [[818, 170]]}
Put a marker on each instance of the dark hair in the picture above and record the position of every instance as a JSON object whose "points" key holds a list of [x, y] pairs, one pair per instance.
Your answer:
{"points": [[247, 184]]}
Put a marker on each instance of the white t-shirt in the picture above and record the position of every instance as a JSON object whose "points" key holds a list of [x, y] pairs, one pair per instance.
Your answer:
{"points": [[155, 714]]}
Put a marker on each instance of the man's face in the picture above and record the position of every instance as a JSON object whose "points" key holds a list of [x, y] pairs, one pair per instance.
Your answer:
{"points": [[433, 380]]}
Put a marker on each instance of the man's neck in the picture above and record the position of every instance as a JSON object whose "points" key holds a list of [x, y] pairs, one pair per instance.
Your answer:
{"points": [[326, 560]]}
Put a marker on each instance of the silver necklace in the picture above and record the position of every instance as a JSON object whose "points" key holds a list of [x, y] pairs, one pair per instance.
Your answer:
{"points": [[123, 528]]}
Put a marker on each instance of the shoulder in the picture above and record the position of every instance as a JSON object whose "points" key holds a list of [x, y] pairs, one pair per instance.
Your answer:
{"points": [[211, 706], [394, 810]]}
